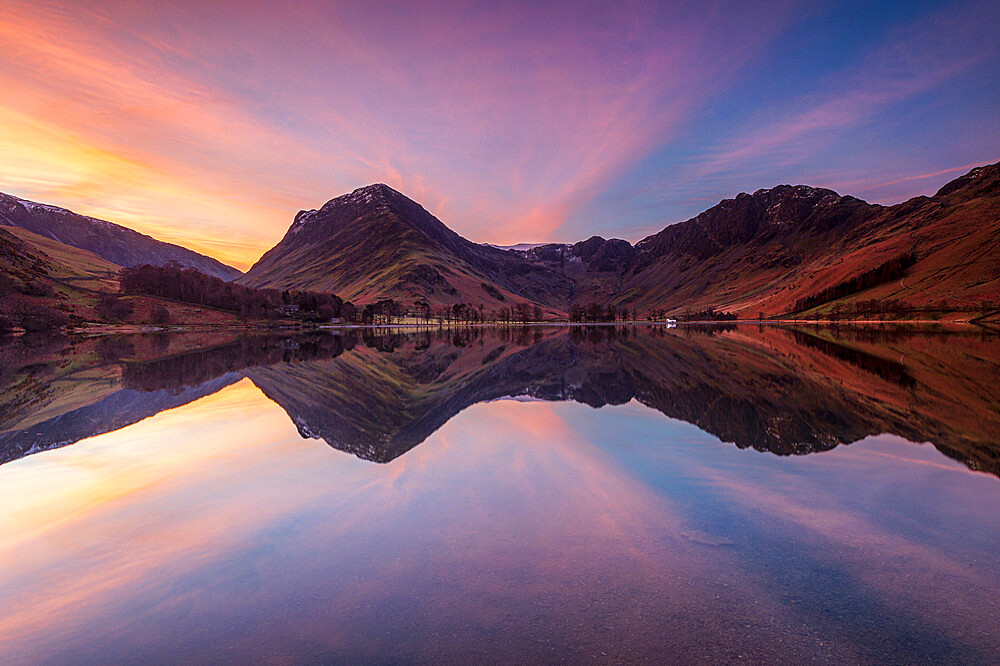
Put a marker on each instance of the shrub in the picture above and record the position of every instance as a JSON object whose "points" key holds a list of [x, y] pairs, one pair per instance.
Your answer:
{"points": [[159, 315]]}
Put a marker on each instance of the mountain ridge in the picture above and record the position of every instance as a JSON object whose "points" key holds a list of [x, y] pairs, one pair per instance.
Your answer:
{"points": [[754, 253]]}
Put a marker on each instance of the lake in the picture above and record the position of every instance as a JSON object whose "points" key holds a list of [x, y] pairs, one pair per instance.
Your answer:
{"points": [[600, 494]]}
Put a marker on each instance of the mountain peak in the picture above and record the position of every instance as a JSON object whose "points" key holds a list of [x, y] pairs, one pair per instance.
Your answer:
{"points": [[978, 181], [374, 195], [362, 200]]}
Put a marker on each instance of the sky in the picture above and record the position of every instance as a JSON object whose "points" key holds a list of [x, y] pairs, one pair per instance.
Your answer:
{"points": [[212, 124]]}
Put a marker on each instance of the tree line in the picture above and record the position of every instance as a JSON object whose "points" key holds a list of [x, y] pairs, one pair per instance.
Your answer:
{"points": [[172, 281], [187, 285], [709, 314]]}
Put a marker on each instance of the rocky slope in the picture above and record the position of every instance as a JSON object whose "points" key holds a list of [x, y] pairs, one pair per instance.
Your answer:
{"points": [[110, 241]]}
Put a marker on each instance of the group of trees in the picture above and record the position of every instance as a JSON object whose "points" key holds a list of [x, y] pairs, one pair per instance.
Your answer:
{"points": [[659, 315], [389, 311], [595, 312], [383, 312], [174, 282], [522, 313], [187, 285], [895, 309], [468, 313], [892, 269]]}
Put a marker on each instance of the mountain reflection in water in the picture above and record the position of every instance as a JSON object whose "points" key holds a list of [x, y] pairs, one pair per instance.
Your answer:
{"points": [[378, 393], [525, 530]]}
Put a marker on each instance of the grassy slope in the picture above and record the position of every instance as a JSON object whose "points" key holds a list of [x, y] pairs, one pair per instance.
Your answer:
{"points": [[71, 264]]}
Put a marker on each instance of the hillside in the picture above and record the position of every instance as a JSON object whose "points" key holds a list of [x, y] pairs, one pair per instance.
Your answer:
{"points": [[774, 252], [69, 264], [48, 272], [45, 285], [115, 243], [21, 264]]}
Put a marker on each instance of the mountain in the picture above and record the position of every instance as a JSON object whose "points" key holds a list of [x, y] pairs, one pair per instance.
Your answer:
{"points": [[767, 250], [376, 243], [110, 241], [776, 251]]}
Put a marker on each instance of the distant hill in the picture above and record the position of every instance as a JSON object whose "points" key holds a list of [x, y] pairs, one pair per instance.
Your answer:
{"points": [[113, 242], [776, 251]]}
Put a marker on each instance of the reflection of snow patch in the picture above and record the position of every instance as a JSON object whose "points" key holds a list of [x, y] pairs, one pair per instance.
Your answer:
{"points": [[520, 247], [520, 397]]}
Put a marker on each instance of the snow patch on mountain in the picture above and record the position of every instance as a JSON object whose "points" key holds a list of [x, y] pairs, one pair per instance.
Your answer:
{"points": [[519, 247]]}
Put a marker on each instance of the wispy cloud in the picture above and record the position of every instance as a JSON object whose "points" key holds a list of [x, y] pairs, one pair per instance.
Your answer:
{"points": [[915, 59]]}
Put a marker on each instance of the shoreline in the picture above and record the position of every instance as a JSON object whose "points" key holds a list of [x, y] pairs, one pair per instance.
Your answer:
{"points": [[99, 329]]}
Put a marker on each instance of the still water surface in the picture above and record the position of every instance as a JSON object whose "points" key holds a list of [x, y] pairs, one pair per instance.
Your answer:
{"points": [[457, 497]]}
